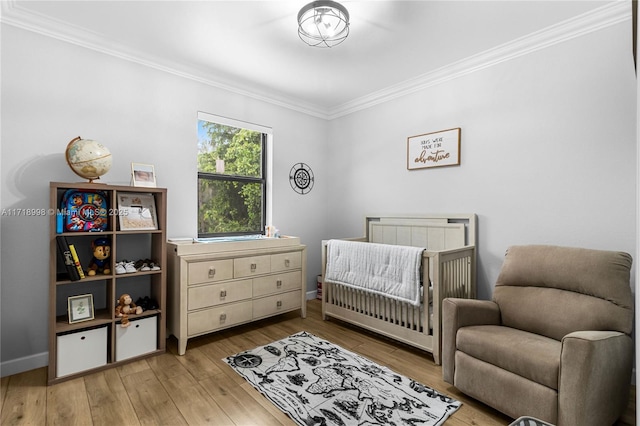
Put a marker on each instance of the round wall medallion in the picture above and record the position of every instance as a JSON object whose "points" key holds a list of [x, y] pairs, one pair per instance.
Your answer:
{"points": [[301, 178]]}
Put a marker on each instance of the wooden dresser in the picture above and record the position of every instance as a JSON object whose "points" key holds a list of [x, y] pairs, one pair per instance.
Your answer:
{"points": [[217, 285]]}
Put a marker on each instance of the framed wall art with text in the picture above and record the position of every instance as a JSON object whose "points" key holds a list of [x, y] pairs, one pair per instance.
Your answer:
{"points": [[435, 149]]}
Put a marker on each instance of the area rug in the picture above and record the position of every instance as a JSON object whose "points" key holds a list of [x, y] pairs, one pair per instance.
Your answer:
{"points": [[319, 383]]}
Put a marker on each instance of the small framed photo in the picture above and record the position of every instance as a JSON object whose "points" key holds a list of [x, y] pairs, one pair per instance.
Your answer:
{"points": [[137, 211], [80, 308], [143, 175]]}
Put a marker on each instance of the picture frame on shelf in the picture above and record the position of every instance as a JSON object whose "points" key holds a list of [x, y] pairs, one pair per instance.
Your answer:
{"points": [[143, 175], [137, 211], [80, 308]]}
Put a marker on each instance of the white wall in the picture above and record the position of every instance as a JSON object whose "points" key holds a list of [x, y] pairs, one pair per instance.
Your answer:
{"points": [[54, 91], [548, 155], [548, 152]]}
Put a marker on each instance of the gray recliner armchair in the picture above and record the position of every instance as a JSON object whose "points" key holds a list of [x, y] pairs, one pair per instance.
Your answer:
{"points": [[555, 341]]}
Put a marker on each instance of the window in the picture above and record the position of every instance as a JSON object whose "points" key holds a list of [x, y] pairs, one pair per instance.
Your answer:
{"points": [[232, 178]]}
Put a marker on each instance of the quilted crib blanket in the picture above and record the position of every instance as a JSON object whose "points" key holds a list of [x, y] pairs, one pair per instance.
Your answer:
{"points": [[389, 270]]}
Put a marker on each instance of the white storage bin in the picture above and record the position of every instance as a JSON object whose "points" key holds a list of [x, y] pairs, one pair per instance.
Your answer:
{"points": [[81, 351], [137, 339]]}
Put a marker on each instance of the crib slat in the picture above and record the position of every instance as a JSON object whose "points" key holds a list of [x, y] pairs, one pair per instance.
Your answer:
{"points": [[452, 275]]}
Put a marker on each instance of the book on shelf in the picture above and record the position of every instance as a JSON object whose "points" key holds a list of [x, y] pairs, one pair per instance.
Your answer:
{"points": [[76, 260], [67, 258]]}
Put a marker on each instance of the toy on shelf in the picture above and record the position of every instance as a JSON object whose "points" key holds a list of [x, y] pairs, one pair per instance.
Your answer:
{"points": [[125, 308], [84, 211], [101, 248]]}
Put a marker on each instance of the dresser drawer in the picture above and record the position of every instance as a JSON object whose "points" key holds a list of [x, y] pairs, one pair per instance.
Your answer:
{"points": [[277, 283], [216, 294], [286, 261], [275, 304], [218, 317], [250, 266], [210, 271]]}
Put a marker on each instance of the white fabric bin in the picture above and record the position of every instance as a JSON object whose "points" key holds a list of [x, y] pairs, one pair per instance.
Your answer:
{"points": [[137, 339], [81, 350]]}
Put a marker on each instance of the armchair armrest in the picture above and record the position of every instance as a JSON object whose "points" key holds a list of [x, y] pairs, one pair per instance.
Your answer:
{"points": [[457, 313], [595, 366]]}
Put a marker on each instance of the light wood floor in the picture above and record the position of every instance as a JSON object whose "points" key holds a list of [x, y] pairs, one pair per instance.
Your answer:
{"points": [[199, 388]]}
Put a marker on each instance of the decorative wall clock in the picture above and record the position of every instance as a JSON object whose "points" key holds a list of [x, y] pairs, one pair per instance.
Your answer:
{"points": [[301, 178]]}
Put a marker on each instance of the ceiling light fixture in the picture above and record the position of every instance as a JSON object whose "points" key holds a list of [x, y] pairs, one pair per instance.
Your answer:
{"points": [[323, 23]]}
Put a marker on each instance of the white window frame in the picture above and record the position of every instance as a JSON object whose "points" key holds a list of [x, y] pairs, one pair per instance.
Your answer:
{"points": [[226, 121]]}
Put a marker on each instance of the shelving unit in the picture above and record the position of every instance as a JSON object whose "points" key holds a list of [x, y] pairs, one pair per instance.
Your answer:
{"points": [[100, 343]]}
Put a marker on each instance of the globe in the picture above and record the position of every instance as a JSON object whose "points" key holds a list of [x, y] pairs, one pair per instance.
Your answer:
{"points": [[88, 159]]}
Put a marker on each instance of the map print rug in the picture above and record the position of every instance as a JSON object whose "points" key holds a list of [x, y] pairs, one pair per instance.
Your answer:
{"points": [[318, 383]]}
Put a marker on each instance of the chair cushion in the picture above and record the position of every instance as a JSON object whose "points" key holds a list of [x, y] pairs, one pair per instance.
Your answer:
{"points": [[555, 313], [528, 355], [558, 290]]}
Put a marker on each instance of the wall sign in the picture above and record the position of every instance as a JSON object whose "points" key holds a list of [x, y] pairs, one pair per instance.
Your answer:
{"points": [[435, 149], [301, 178]]}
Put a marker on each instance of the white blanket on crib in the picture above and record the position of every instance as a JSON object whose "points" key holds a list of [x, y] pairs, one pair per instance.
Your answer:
{"points": [[389, 270]]}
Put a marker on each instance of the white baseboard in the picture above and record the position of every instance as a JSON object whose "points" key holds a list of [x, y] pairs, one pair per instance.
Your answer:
{"points": [[32, 362], [20, 365]]}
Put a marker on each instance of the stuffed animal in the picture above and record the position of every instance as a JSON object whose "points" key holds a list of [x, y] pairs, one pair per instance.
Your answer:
{"points": [[101, 248], [124, 322], [125, 308]]}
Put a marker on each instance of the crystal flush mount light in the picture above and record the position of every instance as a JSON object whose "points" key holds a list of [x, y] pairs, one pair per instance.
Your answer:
{"points": [[323, 23]]}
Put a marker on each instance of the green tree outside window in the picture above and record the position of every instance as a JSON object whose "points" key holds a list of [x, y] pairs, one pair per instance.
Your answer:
{"points": [[231, 183]]}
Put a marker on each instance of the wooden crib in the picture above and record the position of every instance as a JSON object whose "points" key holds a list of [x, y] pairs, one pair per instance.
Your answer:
{"points": [[448, 270]]}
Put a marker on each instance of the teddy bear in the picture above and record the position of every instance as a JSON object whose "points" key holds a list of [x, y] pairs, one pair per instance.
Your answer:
{"points": [[125, 308], [101, 248]]}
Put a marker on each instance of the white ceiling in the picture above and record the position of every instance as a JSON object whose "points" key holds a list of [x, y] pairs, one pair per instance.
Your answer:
{"points": [[253, 46]]}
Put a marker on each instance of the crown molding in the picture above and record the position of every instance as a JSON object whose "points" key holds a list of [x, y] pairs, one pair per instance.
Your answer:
{"points": [[13, 14], [605, 16], [597, 19]]}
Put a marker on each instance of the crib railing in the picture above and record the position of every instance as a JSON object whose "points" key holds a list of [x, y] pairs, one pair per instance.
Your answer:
{"points": [[453, 276], [373, 305]]}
